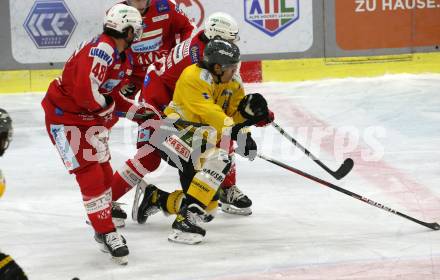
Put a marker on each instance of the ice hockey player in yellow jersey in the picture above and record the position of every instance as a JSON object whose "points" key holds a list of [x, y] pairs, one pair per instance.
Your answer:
{"points": [[210, 94], [9, 269], [5, 139]]}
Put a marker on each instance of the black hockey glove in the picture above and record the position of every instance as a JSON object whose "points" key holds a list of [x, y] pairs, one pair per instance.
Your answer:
{"points": [[253, 107], [128, 90], [246, 146]]}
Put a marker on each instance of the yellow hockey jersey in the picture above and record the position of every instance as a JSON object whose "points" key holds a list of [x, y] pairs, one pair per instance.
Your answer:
{"points": [[198, 98]]}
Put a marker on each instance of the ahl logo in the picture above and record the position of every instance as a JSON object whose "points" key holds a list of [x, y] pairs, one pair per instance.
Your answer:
{"points": [[193, 9], [50, 24], [271, 16]]}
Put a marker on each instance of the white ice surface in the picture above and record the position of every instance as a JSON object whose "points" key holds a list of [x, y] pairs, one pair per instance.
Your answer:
{"points": [[298, 229]]}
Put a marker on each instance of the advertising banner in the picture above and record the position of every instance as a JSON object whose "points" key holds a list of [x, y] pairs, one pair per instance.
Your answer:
{"points": [[373, 24], [45, 31], [266, 26]]}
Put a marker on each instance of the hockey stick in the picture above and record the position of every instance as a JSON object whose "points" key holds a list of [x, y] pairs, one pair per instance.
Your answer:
{"points": [[342, 171], [149, 115], [434, 226]]}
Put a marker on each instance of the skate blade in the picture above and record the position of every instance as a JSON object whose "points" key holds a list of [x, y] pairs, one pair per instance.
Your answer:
{"points": [[120, 260], [102, 247], [140, 189], [230, 209], [181, 237]]}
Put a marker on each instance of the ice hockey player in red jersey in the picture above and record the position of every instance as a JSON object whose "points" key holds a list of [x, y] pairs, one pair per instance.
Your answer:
{"points": [[78, 109], [163, 23]]}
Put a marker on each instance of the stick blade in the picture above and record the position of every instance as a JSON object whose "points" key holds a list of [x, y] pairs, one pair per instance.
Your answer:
{"points": [[345, 168], [434, 226]]}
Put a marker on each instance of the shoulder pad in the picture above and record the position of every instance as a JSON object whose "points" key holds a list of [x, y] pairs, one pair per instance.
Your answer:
{"points": [[237, 78], [205, 76], [103, 52]]}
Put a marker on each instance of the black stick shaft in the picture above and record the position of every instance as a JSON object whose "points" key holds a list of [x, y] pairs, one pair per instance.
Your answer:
{"points": [[341, 172], [150, 114], [433, 226]]}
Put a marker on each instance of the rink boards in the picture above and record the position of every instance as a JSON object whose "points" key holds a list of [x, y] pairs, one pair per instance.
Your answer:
{"points": [[19, 81]]}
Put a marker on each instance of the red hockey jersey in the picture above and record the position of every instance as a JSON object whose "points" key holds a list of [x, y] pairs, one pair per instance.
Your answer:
{"points": [[94, 70], [162, 22], [159, 83], [183, 55]]}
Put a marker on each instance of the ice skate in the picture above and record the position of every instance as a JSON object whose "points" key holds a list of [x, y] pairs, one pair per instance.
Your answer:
{"points": [[186, 227], [115, 244], [145, 202], [233, 201], [118, 215]]}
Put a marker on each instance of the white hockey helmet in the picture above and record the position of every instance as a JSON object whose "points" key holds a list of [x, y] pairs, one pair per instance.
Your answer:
{"points": [[223, 25], [120, 17]]}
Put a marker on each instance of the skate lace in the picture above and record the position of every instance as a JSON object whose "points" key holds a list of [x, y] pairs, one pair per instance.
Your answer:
{"points": [[234, 194], [196, 218], [154, 207], [114, 240]]}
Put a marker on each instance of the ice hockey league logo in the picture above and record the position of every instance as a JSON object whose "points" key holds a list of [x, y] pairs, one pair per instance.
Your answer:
{"points": [[271, 16], [50, 24]]}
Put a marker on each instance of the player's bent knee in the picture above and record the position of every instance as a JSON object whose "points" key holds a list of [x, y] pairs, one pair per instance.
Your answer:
{"points": [[205, 183], [145, 164]]}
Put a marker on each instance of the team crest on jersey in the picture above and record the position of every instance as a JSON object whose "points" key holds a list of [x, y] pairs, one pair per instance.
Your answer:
{"points": [[162, 6], [271, 16]]}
